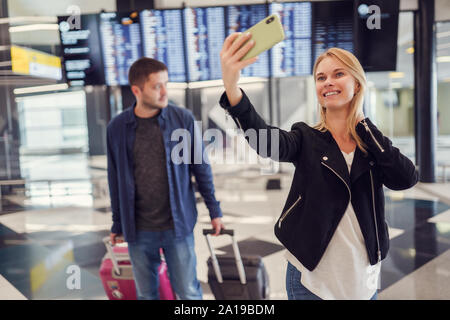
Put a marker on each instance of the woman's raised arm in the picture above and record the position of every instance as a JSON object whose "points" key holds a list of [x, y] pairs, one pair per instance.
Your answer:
{"points": [[230, 56]]}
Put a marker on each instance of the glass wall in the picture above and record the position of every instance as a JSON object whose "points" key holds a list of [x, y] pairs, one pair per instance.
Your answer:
{"points": [[390, 95], [53, 152], [53, 123]]}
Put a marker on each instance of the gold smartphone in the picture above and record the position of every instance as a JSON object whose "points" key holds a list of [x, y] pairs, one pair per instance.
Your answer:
{"points": [[266, 33]]}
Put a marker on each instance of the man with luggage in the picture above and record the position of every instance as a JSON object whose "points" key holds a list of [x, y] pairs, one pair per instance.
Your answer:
{"points": [[152, 197]]}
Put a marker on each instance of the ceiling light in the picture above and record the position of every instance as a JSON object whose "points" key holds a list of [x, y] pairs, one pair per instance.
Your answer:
{"points": [[410, 50], [24, 19], [5, 63], [35, 27], [443, 59], [52, 87], [443, 34], [396, 75], [396, 85], [443, 46], [176, 85]]}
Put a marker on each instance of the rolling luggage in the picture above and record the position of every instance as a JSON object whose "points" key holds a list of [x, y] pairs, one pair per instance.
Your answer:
{"points": [[117, 275], [236, 277]]}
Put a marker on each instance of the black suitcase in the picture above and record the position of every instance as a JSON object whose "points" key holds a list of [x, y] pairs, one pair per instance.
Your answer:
{"points": [[236, 277]]}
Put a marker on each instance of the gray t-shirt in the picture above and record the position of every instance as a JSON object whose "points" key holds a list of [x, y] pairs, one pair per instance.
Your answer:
{"points": [[152, 203]]}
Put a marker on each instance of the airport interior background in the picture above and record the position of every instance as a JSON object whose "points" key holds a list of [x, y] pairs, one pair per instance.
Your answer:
{"points": [[63, 78]]}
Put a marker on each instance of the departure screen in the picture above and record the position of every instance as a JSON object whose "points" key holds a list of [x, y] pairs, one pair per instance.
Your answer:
{"points": [[292, 56], [81, 53], [239, 19], [333, 26], [205, 34], [162, 34], [121, 45], [189, 40]]}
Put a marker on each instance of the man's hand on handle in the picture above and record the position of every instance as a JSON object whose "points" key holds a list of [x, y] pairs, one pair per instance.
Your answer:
{"points": [[230, 55], [217, 225], [114, 238]]}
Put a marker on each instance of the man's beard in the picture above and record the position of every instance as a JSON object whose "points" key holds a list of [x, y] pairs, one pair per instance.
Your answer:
{"points": [[151, 106]]}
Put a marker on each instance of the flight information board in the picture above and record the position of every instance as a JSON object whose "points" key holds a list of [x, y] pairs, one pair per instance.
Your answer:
{"points": [[292, 56], [81, 53], [189, 40], [333, 26], [205, 34], [239, 19], [121, 45], [162, 34]]}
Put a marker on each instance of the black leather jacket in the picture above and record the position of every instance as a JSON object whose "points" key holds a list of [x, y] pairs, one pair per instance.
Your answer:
{"points": [[322, 186]]}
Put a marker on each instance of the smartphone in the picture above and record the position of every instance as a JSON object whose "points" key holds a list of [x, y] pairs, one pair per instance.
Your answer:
{"points": [[266, 33]]}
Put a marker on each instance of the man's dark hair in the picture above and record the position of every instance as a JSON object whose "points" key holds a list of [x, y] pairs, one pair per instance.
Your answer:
{"points": [[141, 69]]}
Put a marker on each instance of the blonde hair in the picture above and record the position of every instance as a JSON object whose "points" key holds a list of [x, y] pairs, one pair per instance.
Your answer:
{"points": [[354, 67]]}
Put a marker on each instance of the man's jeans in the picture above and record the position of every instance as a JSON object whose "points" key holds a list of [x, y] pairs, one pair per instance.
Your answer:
{"points": [[295, 289], [181, 263]]}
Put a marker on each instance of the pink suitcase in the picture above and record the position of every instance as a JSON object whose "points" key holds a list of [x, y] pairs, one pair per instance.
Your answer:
{"points": [[117, 275]]}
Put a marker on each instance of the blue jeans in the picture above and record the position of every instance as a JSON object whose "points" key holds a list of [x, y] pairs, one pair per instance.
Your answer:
{"points": [[295, 289], [181, 264]]}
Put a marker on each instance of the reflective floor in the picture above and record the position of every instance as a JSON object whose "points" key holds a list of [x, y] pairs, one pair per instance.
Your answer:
{"points": [[43, 238]]}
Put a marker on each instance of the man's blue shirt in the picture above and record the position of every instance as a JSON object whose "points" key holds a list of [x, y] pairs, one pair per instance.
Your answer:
{"points": [[182, 138]]}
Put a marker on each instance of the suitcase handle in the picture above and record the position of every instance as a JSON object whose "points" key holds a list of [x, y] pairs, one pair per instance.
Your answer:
{"points": [[237, 255], [222, 231], [114, 259]]}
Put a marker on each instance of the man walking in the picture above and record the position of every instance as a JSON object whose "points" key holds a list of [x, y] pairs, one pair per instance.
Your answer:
{"points": [[152, 197]]}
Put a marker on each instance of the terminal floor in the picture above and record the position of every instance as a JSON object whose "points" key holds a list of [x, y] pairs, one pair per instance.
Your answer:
{"points": [[39, 240]]}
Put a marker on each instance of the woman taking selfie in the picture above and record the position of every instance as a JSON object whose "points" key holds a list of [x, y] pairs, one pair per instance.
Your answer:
{"points": [[333, 222]]}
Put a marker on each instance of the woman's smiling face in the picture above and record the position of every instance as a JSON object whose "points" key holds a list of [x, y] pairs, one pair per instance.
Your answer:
{"points": [[335, 86]]}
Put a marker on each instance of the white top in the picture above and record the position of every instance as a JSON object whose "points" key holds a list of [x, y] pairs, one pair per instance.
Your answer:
{"points": [[344, 272]]}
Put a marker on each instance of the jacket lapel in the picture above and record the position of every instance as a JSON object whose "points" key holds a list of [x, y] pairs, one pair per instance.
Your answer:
{"points": [[332, 158]]}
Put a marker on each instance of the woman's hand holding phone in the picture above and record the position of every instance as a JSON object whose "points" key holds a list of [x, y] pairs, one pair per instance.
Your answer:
{"points": [[230, 56]]}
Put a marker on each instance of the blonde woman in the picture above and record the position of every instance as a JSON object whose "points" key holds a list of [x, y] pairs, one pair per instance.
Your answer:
{"points": [[333, 223]]}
